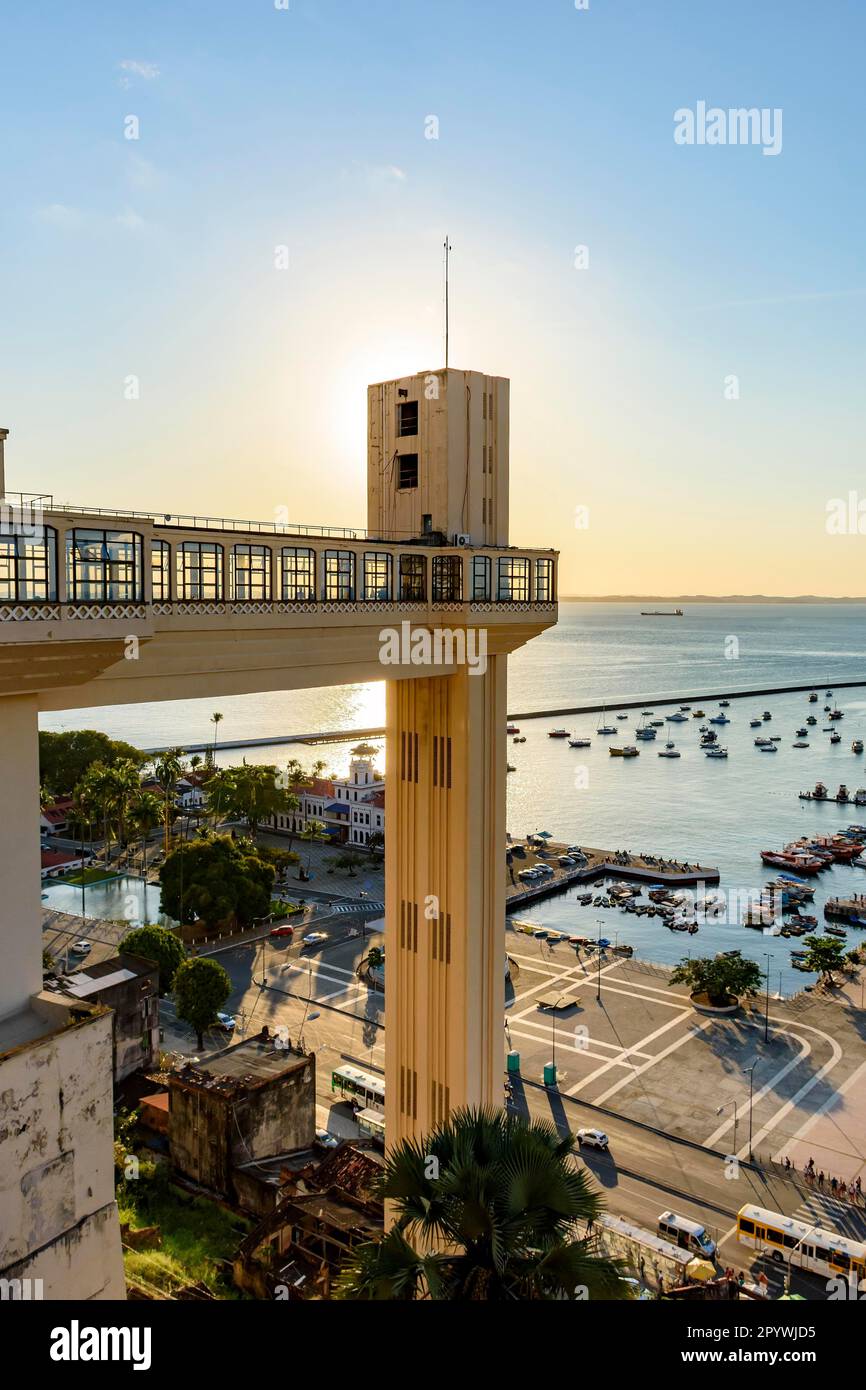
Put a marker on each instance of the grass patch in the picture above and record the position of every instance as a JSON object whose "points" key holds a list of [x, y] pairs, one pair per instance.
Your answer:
{"points": [[196, 1235], [88, 876]]}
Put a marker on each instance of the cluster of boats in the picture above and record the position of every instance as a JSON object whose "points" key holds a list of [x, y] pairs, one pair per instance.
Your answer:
{"points": [[648, 727], [809, 856], [670, 907], [843, 796]]}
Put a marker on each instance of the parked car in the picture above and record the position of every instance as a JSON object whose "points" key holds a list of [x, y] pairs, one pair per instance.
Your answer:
{"points": [[226, 1022], [593, 1139], [284, 930], [80, 948]]}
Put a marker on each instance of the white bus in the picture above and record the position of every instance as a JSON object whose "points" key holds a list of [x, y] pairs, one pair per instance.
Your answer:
{"points": [[358, 1086], [372, 1124], [801, 1244]]}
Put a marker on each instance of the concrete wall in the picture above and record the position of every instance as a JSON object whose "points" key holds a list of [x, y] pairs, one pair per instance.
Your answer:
{"points": [[20, 867], [58, 1218], [211, 1131]]}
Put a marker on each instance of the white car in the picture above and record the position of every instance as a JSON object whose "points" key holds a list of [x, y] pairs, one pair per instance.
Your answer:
{"points": [[330, 1141], [593, 1139], [315, 938], [80, 948]]}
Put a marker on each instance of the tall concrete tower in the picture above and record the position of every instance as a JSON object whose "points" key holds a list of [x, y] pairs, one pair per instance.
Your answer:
{"points": [[438, 471], [437, 456]]}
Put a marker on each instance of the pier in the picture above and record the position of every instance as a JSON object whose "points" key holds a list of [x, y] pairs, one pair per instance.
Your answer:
{"points": [[600, 863], [644, 702]]}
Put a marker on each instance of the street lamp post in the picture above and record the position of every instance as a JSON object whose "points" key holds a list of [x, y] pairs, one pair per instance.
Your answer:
{"points": [[736, 1118], [767, 1004], [598, 978], [751, 1071]]}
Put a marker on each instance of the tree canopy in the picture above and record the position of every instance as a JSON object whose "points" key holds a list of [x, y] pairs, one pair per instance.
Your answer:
{"points": [[251, 793], [719, 977], [159, 945], [201, 987], [824, 954], [490, 1203], [224, 882], [65, 757]]}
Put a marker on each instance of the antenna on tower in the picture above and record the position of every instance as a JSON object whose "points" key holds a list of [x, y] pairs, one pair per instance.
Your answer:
{"points": [[447, 267]]}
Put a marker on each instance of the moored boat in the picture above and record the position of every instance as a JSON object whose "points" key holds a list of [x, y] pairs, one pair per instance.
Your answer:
{"points": [[557, 733]]}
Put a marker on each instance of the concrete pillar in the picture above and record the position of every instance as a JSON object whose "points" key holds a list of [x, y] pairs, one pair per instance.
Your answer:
{"points": [[20, 902], [445, 896]]}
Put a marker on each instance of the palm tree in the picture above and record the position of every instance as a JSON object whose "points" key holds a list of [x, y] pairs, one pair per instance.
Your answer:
{"points": [[314, 830], [216, 719], [125, 785], [167, 770], [145, 813], [96, 795], [491, 1204]]}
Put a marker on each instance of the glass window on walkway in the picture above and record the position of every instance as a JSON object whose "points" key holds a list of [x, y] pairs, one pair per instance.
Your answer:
{"points": [[481, 577], [103, 566], [413, 578], [200, 571], [297, 574], [160, 570], [28, 564], [250, 572], [514, 580], [377, 575], [544, 581], [339, 575], [447, 578]]}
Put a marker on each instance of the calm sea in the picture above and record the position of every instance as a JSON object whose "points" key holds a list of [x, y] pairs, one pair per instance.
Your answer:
{"points": [[715, 812]]}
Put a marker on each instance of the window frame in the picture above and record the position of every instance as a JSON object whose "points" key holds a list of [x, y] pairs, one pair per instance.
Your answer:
{"points": [[183, 572], [512, 579], [337, 564], [404, 460], [381, 560], [445, 569], [259, 578], [20, 552], [115, 578], [402, 432], [294, 553], [162, 567], [545, 591], [412, 578], [484, 563]]}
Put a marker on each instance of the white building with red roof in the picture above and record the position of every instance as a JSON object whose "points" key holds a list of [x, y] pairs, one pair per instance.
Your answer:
{"points": [[351, 808]]}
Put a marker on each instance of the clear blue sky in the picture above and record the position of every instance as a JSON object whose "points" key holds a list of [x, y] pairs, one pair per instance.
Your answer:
{"points": [[260, 127]]}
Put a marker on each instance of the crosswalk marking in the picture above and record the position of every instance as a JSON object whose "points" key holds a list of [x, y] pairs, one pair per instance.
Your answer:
{"points": [[820, 1209]]}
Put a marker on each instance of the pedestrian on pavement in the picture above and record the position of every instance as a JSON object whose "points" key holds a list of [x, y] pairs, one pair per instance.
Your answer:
{"points": [[787, 1164], [821, 1179], [833, 1186], [859, 1186]]}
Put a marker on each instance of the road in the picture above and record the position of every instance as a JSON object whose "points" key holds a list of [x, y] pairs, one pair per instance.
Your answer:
{"points": [[317, 995]]}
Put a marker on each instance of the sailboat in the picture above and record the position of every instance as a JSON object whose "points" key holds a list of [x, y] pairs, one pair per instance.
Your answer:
{"points": [[604, 728], [670, 750]]}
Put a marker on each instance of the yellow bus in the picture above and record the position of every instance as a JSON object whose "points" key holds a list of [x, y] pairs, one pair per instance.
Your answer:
{"points": [[800, 1244]]}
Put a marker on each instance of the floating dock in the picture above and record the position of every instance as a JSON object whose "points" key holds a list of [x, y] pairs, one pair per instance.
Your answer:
{"points": [[601, 863]]}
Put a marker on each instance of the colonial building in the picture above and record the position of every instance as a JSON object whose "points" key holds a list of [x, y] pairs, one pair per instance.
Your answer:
{"points": [[351, 809]]}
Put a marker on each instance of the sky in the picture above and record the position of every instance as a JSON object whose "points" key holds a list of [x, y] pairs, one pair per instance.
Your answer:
{"points": [[190, 318]]}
